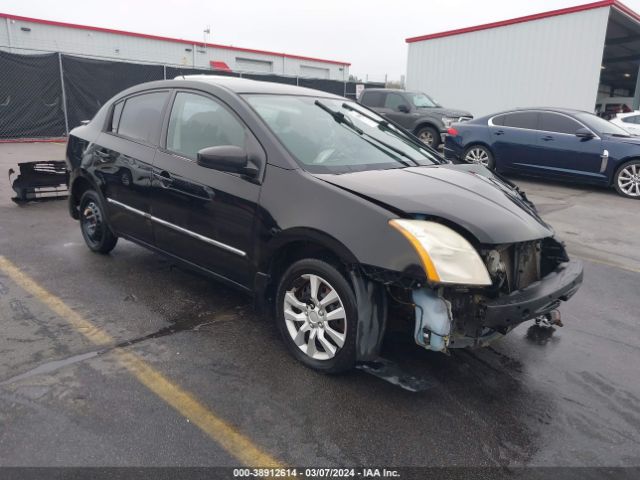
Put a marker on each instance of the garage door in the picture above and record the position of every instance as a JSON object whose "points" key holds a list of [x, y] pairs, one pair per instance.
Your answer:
{"points": [[315, 72], [252, 65]]}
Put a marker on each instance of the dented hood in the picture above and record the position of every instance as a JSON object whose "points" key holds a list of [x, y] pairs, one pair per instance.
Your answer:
{"points": [[467, 195]]}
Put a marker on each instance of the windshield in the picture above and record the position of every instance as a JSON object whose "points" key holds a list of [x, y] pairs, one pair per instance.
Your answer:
{"points": [[338, 136], [600, 125], [422, 100]]}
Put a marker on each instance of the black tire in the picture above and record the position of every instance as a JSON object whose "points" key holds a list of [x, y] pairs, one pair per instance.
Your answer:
{"points": [[426, 133], [344, 358], [632, 189], [93, 224], [491, 162]]}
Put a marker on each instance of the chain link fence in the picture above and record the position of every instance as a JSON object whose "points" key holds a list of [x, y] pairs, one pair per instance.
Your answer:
{"points": [[46, 94]]}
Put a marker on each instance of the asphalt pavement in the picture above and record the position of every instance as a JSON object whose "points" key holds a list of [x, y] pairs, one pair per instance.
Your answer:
{"points": [[71, 395]]}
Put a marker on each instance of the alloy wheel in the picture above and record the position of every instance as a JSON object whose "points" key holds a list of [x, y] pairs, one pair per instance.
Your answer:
{"points": [[315, 317], [477, 155], [629, 180], [426, 137]]}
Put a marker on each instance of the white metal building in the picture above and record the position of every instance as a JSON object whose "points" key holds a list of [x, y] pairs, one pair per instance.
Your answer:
{"points": [[563, 58], [32, 35]]}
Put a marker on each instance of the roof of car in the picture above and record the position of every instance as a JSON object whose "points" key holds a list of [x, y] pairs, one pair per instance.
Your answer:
{"points": [[568, 111], [245, 85]]}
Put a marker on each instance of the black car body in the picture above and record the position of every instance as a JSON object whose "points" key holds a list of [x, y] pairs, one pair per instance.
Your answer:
{"points": [[414, 111], [557, 144], [320, 209]]}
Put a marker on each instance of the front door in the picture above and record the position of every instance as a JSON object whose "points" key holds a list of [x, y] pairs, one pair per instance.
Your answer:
{"points": [[565, 155], [201, 215]]}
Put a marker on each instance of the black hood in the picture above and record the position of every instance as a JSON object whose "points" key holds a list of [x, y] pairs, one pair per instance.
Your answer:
{"points": [[469, 196]]}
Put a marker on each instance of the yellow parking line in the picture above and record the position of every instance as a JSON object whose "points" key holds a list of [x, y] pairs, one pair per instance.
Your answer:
{"points": [[235, 443]]}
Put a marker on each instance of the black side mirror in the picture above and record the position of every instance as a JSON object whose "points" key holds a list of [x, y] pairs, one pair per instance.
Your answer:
{"points": [[227, 158], [403, 108], [584, 133]]}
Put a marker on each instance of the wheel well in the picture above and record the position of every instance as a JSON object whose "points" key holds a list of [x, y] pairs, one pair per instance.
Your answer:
{"points": [[291, 252], [426, 124], [80, 185]]}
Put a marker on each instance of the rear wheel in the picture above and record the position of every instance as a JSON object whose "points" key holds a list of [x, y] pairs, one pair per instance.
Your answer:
{"points": [[481, 155], [429, 136], [316, 315], [627, 180], [97, 234]]}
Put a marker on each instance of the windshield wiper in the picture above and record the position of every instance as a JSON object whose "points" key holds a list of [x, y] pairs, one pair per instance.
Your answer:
{"points": [[343, 119], [339, 117], [386, 126]]}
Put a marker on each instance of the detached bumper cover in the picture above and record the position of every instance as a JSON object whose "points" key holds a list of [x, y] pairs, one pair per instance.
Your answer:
{"points": [[537, 299]]}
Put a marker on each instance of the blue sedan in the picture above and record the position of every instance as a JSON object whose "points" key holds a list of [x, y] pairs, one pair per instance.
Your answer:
{"points": [[551, 143]]}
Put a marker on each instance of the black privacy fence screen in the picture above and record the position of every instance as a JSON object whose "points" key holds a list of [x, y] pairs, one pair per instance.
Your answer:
{"points": [[46, 95]]}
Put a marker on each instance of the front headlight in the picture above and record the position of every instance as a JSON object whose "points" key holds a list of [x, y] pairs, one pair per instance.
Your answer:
{"points": [[447, 257], [447, 121]]}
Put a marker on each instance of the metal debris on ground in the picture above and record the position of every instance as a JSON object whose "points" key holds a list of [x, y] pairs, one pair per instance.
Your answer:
{"points": [[44, 180], [394, 374]]}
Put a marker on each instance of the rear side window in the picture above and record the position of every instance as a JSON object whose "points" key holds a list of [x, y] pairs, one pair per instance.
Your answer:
{"points": [[528, 120], [499, 120], [553, 122], [198, 122], [141, 116], [372, 99], [632, 119]]}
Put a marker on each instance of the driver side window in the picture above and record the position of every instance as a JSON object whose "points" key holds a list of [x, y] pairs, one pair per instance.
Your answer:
{"points": [[198, 122], [393, 101]]}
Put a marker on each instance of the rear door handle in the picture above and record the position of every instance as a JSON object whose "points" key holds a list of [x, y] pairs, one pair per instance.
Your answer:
{"points": [[547, 138], [164, 178], [499, 132]]}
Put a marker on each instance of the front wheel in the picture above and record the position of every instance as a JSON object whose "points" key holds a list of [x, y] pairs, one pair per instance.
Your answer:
{"points": [[429, 136], [93, 224], [481, 155], [316, 315], [627, 180]]}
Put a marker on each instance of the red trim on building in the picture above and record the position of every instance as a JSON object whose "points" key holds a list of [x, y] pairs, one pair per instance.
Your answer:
{"points": [[538, 16], [166, 39], [217, 65]]}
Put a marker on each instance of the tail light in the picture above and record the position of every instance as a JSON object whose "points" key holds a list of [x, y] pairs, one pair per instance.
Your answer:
{"points": [[452, 131]]}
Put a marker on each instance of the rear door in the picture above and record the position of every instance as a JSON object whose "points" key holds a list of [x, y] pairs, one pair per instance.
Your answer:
{"points": [[203, 215], [123, 158], [514, 139], [565, 155]]}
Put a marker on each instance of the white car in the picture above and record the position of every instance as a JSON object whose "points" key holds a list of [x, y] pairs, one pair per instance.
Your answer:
{"points": [[629, 121]]}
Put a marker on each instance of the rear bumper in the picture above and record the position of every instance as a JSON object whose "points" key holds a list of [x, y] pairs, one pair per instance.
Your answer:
{"points": [[537, 299]]}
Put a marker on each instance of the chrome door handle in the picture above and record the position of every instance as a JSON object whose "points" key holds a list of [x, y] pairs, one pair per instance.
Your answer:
{"points": [[164, 178]]}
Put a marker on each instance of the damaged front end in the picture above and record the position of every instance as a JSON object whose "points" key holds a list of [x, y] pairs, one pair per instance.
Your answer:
{"points": [[529, 280]]}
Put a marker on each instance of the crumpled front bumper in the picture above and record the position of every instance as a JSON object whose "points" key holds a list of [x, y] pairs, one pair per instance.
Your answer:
{"points": [[537, 299]]}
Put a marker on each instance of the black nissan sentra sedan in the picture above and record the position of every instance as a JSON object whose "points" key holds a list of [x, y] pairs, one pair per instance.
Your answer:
{"points": [[337, 221]]}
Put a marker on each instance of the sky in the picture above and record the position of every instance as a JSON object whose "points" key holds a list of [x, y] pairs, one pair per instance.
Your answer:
{"points": [[369, 34]]}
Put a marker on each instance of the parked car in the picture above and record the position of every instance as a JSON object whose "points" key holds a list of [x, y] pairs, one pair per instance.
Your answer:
{"points": [[609, 107], [327, 214], [557, 144], [628, 121], [415, 111]]}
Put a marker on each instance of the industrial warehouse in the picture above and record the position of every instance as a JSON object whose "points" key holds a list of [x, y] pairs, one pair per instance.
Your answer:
{"points": [[570, 58]]}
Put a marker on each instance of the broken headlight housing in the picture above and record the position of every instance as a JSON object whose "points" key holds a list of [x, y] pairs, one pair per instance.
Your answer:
{"points": [[447, 257]]}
